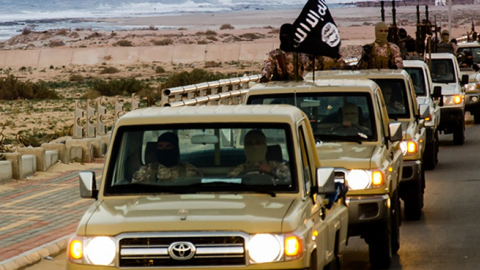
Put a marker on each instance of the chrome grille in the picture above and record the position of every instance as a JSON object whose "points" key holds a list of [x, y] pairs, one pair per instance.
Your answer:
{"points": [[176, 251]]}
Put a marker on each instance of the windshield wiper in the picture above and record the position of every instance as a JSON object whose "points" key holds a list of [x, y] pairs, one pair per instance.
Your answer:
{"points": [[336, 138], [238, 186], [149, 188]]}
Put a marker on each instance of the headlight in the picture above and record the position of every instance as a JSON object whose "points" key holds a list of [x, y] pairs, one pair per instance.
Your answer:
{"points": [[472, 87], [266, 248], [364, 179], [452, 100], [99, 250], [409, 147]]}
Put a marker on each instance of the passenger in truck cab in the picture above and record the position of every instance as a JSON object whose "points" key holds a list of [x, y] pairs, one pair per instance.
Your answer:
{"points": [[391, 100], [441, 73], [255, 148], [167, 166]]}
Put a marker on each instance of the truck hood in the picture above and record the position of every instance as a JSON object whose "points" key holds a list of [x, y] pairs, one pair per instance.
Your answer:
{"points": [[349, 155], [192, 212], [448, 88]]}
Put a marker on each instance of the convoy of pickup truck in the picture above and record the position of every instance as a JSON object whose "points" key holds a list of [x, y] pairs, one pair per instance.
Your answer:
{"points": [[280, 180]]}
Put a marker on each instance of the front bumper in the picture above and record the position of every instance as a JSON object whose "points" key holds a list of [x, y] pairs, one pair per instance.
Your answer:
{"points": [[412, 171], [368, 208], [451, 119], [472, 101]]}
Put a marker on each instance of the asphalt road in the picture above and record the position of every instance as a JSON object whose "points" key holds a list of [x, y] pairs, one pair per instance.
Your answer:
{"points": [[447, 236]]}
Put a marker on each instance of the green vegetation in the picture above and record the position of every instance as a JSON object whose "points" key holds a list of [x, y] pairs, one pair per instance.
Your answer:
{"points": [[115, 87], [11, 89], [195, 76]]}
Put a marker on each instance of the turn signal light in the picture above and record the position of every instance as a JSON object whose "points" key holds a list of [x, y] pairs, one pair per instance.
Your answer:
{"points": [[75, 250], [292, 246], [411, 147], [378, 179], [457, 99]]}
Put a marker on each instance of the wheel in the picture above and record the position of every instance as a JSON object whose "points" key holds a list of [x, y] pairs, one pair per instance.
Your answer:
{"points": [[313, 261], [459, 135], [430, 155], [380, 246], [476, 116], [414, 202], [395, 216], [437, 146]]}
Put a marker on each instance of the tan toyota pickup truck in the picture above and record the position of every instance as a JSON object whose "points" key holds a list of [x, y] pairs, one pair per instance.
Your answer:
{"points": [[352, 131], [399, 94], [212, 187]]}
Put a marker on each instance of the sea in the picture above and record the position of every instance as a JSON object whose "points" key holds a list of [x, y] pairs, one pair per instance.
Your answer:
{"points": [[42, 15]]}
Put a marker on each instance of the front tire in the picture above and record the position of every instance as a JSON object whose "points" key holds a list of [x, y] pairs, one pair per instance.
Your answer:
{"points": [[380, 245], [414, 202], [459, 134], [396, 218]]}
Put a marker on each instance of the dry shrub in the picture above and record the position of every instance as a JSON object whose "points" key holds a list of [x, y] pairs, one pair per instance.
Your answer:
{"points": [[124, 43], [62, 32], [250, 36], [182, 29], [211, 33], [159, 69], [163, 42], [28, 29], [74, 35], [76, 78], [94, 35], [226, 26], [200, 33], [109, 70], [107, 57], [152, 27], [212, 64], [56, 43], [212, 38], [202, 42]]}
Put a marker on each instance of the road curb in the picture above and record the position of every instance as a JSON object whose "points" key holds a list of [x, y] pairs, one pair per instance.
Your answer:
{"points": [[35, 255]]}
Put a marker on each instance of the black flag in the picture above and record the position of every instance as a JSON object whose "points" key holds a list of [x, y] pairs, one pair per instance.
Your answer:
{"points": [[315, 32]]}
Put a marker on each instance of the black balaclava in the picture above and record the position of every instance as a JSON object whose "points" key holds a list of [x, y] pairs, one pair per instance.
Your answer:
{"points": [[168, 157], [286, 37]]}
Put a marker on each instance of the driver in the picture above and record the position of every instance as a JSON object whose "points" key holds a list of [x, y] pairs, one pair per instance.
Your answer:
{"points": [[255, 153], [442, 73], [168, 166]]}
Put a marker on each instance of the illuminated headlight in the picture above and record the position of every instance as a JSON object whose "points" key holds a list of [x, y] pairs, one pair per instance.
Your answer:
{"points": [[472, 87], [364, 179], [409, 147], [452, 100], [266, 248], [99, 250]]}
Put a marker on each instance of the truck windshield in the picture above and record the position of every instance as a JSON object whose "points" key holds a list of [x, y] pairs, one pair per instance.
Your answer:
{"points": [[334, 116], [201, 158], [475, 51], [418, 80], [442, 71], [395, 95]]}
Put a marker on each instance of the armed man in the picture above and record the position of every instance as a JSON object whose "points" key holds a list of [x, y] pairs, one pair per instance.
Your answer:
{"points": [[381, 53], [283, 64], [445, 45]]}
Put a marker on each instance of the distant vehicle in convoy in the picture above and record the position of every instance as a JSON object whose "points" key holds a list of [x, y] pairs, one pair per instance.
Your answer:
{"points": [[426, 94], [402, 106], [472, 48], [217, 208], [446, 74], [472, 94], [352, 132]]}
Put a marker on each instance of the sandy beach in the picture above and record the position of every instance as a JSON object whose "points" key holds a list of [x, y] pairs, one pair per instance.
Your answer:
{"points": [[355, 27]]}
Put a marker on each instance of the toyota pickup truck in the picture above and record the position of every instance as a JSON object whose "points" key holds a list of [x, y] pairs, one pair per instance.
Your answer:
{"points": [[428, 95], [212, 187], [446, 74], [351, 128], [402, 106]]}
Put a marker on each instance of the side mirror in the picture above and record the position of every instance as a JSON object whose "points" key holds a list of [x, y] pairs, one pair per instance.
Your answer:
{"points": [[88, 185], [423, 111], [325, 181], [464, 79], [437, 92], [395, 129]]}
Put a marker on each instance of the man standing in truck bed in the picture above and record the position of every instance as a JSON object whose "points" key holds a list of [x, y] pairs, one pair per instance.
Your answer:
{"points": [[381, 54]]}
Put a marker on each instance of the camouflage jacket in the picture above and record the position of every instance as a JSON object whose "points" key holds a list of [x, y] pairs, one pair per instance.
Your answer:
{"points": [[376, 56], [323, 63], [279, 66], [155, 172], [278, 168]]}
